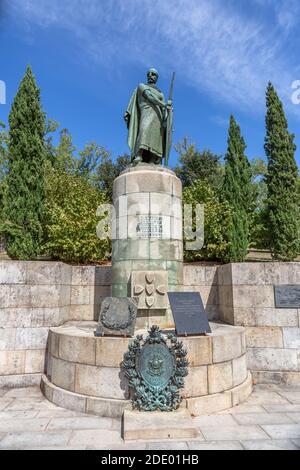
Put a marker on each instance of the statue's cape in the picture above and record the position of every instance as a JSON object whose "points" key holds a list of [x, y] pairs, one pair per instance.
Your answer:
{"points": [[133, 126]]}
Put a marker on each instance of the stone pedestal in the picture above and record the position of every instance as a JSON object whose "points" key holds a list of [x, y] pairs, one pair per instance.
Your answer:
{"points": [[147, 241], [84, 373]]}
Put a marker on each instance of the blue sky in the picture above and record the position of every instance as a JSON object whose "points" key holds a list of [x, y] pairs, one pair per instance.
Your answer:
{"points": [[88, 55]]}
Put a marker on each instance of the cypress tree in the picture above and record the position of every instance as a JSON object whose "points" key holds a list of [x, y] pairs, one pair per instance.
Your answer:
{"points": [[282, 210], [237, 190], [24, 201]]}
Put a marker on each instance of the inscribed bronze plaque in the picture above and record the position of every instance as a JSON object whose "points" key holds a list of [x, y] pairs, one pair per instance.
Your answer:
{"points": [[287, 296]]}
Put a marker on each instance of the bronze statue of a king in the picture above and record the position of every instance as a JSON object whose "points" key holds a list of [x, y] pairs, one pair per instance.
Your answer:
{"points": [[149, 121]]}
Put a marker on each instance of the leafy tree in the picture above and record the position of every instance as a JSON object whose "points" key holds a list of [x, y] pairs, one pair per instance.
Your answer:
{"points": [[51, 128], [238, 191], [195, 165], [282, 214], [71, 219], [64, 158], [89, 160], [24, 198], [107, 171], [217, 219]]}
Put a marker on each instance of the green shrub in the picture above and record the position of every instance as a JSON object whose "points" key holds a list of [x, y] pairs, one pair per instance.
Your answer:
{"points": [[217, 219], [71, 220]]}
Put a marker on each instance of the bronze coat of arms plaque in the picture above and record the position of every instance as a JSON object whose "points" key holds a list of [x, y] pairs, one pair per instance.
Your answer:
{"points": [[156, 367]]}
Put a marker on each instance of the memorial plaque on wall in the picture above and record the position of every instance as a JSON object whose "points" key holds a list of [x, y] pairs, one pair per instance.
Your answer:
{"points": [[189, 314], [287, 296], [149, 226]]}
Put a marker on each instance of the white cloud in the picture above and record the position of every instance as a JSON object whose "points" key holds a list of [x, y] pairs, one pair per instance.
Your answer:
{"points": [[215, 46]]}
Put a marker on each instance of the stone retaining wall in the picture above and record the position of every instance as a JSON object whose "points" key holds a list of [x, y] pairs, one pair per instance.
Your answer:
{"points": [[246, 294], [204, 279], [35, 296]]}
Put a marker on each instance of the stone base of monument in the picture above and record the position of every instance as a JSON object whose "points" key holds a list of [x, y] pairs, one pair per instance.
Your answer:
{"points": [[157, 425], [83, 372]]}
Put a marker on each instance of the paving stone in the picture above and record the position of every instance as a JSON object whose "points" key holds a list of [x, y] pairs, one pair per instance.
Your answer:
{"points": [[281, 408], [4, 403], [96, 438], [283, 431], [29, 404], [295, 417], [31, 440], [121, 446], [215, 420], [209, 404], [231, 433], [23, 424], [25, 392], [296, 442], [20, 414], [262, 418], [167, 446], [293, 397], [159, 425], [215, 445], [89, 422], [246, 409], [279, 444], [264, 397], [60, 413]]}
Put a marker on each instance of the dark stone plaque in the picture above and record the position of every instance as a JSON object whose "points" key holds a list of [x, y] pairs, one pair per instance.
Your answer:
{"points": [[287, 296], [117, 317], [189, 313]]}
